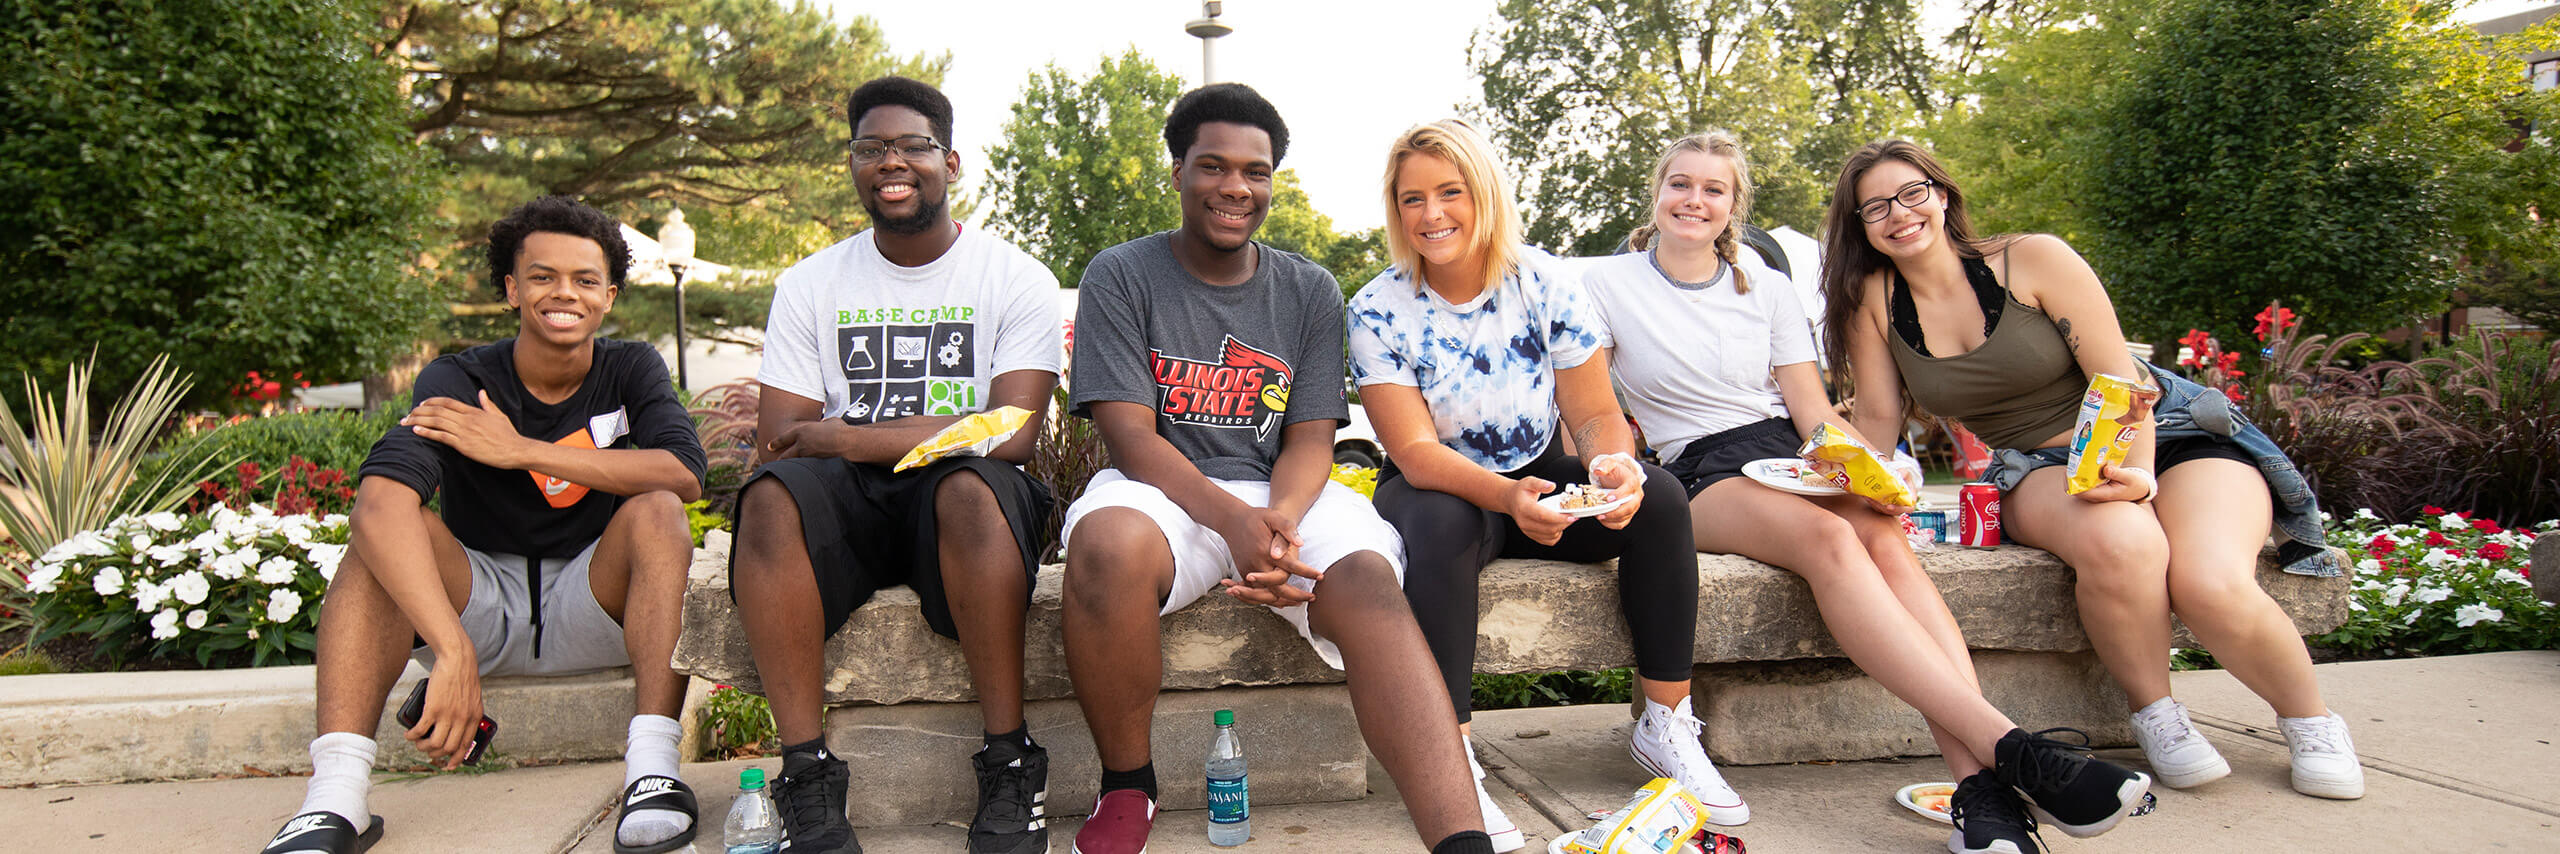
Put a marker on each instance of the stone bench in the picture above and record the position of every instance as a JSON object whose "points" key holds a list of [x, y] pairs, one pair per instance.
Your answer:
{"points": [[1770, 683]]}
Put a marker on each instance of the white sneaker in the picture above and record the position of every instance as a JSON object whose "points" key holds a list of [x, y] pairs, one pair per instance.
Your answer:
{"points": [[1666, 743], [2180, 757], [1506, 835], [2324, 759]]}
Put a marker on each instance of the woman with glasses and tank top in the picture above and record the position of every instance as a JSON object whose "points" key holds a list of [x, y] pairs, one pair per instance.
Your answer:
{"points": [[2002, 334]]}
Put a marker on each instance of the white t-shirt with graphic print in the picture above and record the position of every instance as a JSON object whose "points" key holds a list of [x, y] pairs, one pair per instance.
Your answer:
{"points": [[1487, 368], [875, 341], [1695, 361]]}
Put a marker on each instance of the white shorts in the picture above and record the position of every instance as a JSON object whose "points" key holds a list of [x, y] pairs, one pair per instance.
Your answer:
{"points": [[1339, 524]]}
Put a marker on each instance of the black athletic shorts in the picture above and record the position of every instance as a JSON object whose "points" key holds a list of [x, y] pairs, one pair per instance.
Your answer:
{"points": [[868, 528], [1711, 458], [2169, 453]]}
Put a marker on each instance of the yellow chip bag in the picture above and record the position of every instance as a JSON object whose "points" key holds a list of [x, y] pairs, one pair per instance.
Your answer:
{"points": [[1658, 818], [2111, 414], [968, 437], [1868, 475]]}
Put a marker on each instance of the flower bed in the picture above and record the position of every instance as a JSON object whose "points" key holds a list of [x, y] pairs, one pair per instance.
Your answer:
{"points": [[2442, 583], [222, 586]]}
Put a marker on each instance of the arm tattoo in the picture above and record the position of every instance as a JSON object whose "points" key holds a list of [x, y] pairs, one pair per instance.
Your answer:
{"points": [[1584, 436], [2063, 325]]}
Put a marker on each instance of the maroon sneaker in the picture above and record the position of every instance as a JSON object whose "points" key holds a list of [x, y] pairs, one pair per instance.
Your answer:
{"points": [[1119, 824]]}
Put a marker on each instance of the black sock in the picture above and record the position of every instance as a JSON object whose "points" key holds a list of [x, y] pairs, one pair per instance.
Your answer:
{"points": [[1019, 738], [807, 751], [1142, 778], [1465, 842]]}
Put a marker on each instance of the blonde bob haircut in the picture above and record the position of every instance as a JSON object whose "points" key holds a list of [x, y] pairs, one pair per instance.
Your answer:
{"points": [[1497, 218], [1714, 142]]}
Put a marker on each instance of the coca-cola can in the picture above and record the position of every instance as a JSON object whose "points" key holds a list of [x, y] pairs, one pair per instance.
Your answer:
{"points": [[1978, 515]]}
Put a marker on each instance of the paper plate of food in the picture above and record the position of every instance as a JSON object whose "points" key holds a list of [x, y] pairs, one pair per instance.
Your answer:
{"points": [[1790, 474], [1581, 499], [1927, 799]]}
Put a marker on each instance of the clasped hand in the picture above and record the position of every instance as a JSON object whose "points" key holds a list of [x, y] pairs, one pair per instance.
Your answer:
{"points": [[1264, 543], [480, 432]]}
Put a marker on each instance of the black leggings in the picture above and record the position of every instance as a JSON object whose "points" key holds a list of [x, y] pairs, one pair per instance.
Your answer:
{"points": [[1448, 541]]}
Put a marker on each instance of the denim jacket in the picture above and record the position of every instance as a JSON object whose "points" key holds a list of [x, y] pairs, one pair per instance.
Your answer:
{"points": [[2187, 410]]}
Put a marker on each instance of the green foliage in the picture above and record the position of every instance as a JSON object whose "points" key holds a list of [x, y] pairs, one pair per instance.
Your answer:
{"points": [[1562, 688], [1068, 454], [699, 517], [217, 586], [228, 183], [1083, 166], [2440, 584], [2021, 125], [1584, 95], [736, 724], [724, 417], [28, 662], [1294, 225]]}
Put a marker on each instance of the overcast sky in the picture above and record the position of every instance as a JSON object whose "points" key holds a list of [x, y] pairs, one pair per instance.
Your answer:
{"points": [[1346, 74]]}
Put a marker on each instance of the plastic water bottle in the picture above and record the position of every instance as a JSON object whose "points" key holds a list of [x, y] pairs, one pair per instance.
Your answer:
{"points": [[754, 826], [1230, 809]]}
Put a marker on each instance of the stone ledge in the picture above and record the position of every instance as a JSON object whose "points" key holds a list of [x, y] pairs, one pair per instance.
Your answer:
{"points": [[1538, 616], [106, 727]]}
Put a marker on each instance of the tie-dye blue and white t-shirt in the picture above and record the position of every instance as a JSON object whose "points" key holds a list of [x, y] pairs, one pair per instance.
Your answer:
{"points": [[1486, 368]]}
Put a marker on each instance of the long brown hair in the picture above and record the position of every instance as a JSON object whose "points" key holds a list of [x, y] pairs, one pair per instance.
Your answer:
{"points": [[1720, 143], [1848, 258]]}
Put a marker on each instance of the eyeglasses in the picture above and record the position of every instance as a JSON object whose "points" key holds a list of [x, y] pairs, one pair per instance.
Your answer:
{"points": [[916, 149], [1910, 196]]}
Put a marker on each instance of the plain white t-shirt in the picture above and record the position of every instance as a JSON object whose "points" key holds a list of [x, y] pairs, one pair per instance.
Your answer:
{"points": [[876, 341], [1696, 361]]}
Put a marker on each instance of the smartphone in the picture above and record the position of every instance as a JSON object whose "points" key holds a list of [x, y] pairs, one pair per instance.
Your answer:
{"points": [[416, 707]]}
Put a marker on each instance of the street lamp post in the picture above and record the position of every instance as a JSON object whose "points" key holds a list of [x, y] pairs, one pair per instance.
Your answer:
{"points": [[1208, 28], [675, 243]]}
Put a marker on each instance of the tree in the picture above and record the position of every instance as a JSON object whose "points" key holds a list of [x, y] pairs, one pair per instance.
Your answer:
{"points": [[1584, 95], [1083, 168], [2026, 96], [2255, 154], [230, 184]]}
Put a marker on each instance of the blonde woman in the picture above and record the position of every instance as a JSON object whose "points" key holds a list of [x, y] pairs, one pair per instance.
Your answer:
{"points": [[1472, 355], [1718, 362], [2003, 334]]}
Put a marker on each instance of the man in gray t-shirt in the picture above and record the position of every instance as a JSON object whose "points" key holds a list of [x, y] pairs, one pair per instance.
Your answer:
{"points": [[1213, 367]]}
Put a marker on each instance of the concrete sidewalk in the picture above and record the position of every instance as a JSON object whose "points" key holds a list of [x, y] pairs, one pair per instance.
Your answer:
{"points": [[2458, 751]]}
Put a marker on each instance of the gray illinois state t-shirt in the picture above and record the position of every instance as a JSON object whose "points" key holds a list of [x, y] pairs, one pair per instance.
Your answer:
{"points": [[1225, 367]]}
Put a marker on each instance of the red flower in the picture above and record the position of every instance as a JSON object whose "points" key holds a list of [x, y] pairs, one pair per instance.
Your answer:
{"points": [[2274, 318], [2436, 538], [2487, 526], [2200, 343], [2382, 545], [2494, 551], [2457, 552], [2432, 510], [2235, 392]]}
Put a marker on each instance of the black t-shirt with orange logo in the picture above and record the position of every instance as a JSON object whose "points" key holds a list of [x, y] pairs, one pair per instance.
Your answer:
{"points": [[625, 403]]}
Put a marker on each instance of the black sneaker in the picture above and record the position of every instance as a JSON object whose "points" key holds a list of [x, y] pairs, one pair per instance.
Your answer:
{"points": [[811, 797], [1989, 818], [1013, 795], [2083, 796]]}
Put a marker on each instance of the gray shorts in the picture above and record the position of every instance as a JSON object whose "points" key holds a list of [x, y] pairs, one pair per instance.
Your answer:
{"points": [[577, 636]]}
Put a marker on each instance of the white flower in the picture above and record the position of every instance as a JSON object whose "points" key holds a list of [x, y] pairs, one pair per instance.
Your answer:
{"points": [[2475, 613], [2452, 522], [139, 542], [2399, 590], [190, 587], [164, 520], [282, 604], [45, 578], [2411, 618], [2365, 514], [170, 555], [2432, 594], [2509, 576], [109, 581], [2437, 558], [278, 570], [253, 633], [164, 625], [2352, 605], [325, 557], [148, 596], [2368, 565], [195, 618]]}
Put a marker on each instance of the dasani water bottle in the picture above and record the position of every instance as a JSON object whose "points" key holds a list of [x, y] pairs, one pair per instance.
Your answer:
{"points": [[754, 826], [1230, 809]]}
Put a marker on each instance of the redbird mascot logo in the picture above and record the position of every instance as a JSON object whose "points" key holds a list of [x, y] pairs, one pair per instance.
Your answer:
{"points": [[1246, 388]]}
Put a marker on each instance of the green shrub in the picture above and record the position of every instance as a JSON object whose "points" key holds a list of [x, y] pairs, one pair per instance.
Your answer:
{"points": [[1562, 688], [218, 587], [736, 724], [327, 439], [2442, 583]]}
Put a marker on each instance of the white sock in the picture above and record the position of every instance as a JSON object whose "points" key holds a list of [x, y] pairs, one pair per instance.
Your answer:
{"points": [[341, 775], [650, 750], [1472, 764]]}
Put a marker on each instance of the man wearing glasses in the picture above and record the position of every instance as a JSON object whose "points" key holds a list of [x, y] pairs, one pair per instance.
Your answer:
{"points": [[872, 346]]}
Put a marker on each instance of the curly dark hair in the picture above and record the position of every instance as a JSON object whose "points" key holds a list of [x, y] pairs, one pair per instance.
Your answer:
{"points": [[896, 91], [1234, 103], [558, 215]]}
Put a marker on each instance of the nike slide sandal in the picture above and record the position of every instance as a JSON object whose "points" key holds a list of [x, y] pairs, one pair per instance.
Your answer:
{"points": [[324, 833], [658, 792]]}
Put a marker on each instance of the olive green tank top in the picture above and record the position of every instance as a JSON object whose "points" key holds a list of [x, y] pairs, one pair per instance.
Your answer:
{"points": [[2020, 388]]}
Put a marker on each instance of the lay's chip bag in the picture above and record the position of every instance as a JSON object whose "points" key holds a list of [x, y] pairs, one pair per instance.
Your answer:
{"points": [[1868, 475], [2111, 415], [1660, 816], [972, 436]]}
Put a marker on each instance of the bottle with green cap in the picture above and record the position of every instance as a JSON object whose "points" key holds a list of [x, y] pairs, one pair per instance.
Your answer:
{"points": [[754, 826], [1230, 809]]}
